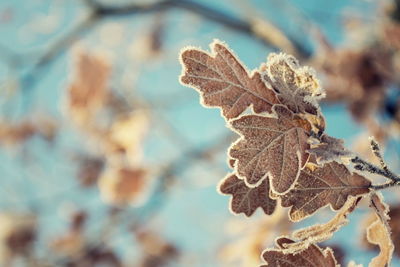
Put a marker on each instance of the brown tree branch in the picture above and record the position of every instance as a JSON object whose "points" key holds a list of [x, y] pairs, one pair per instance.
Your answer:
{"points": [[100, 11]]}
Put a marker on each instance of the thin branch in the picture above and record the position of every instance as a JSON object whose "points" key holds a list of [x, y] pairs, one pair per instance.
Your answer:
{"points": [[377, 152], [101, 11], [384, 186], [55, 50], [209, 13], [363, 165]]}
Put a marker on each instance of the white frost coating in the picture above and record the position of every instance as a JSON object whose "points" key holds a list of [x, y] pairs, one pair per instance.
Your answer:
{"points": [[311, 96]]}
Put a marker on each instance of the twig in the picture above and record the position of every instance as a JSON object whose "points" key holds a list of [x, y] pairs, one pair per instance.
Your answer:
{"points": [[56, 49], [384, 186], [101, 11], [377, 152], [212, 14], [363, 165]]}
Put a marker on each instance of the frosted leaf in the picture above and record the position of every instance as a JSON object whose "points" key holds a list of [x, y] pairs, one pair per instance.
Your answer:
{"points": [[378, 233], [296, 87], [274, 147], [313, 256], [224, 82], [331, 185], [322, 232], [245, 199], [328, 148]]}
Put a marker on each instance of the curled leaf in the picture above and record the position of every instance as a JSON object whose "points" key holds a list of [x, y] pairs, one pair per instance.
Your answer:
{"points": [[297, 87], [394, 223], [274, 147], [331, 185], [328, 148], [378, 233], [321, 232], [313, 256], [224, 82], [245, 199]]}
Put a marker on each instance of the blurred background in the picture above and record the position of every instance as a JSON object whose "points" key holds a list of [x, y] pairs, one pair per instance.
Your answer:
{"points": [[106, 160]]}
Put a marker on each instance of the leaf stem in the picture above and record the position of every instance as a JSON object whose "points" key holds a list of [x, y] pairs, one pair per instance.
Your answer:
{"points": [[384, 186]]}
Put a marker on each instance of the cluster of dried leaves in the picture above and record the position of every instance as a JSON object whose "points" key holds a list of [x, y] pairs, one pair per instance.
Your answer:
{"points": [[116, 162], [283, 156], [362, 73]]}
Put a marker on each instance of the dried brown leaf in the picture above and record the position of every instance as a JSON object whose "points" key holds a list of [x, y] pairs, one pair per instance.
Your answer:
{"points": [[328, 149], [357, 77], [274, 147], [156, 251], [313, 256], [321, 232], [13, 133], [126, 135], [297, 87], [245, 199], [18, 232], [89, 169], [121, 185], [378, 233], [224, 82], [88, 90], [331, 185], [70, 244], [394, 223]]}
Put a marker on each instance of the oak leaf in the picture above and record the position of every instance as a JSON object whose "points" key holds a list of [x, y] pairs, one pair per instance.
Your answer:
{"points": [[274, 147], [378, 233], [245, 199], [296, 87], [313, 256], [331, 185], [224, 82]]}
